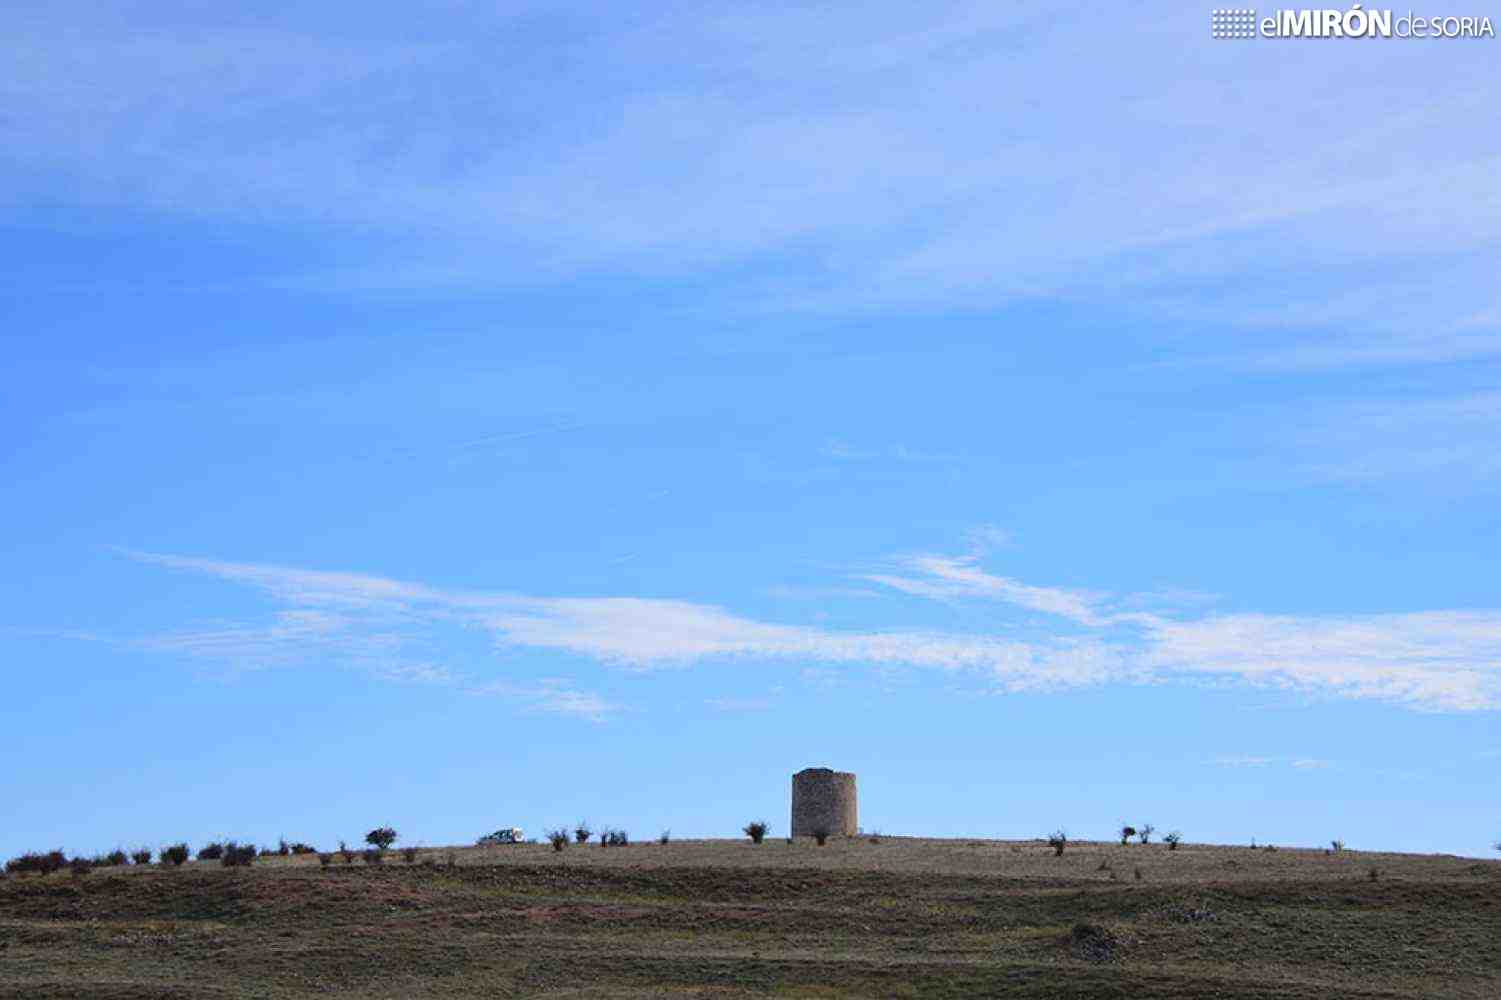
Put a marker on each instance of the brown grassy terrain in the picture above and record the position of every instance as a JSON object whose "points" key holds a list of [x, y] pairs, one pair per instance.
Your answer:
{"points": [[895, 918]]}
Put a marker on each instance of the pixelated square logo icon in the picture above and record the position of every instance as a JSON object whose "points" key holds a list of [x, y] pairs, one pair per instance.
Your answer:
{"points": [[1232, 22]]}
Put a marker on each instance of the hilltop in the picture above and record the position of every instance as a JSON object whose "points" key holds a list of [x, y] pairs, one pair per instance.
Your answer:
{"points": [[866, 917]]}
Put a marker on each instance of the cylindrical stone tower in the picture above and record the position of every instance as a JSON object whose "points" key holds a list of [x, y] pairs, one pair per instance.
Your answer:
{"points": [[824, 800]]}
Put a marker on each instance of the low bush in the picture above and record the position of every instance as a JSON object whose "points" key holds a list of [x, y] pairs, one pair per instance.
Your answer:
{"points": [[142, 856], [821, 834], [347, 853], [1058, 841], [381, 837], [325, 859], [238, 855], [37, 863], [299, 848], [1172, 840], [665, 837], [115, 858], [374, 856], [581, 832], [409, 854], [1093, 942], [1374, 874], [1337, 845], [559, 838], [212, 851], [80, 866], [175, 855], [757, 830], [1127, 832], [616, 838]]}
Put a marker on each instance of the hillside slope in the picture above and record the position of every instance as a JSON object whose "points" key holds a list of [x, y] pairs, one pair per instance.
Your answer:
{"points": [[893, 918]]}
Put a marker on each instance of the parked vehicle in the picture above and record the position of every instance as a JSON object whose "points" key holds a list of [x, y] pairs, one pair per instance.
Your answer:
{"points": [[509, 835]]}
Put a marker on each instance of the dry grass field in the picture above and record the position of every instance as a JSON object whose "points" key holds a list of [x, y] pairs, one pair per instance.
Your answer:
{"points": [[892, 918]]}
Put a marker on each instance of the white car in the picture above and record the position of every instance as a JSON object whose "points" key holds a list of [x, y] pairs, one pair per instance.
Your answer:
{"points": [[510, 835]]}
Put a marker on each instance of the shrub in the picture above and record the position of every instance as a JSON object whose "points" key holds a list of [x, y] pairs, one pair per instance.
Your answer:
{"points": [[80, 866], [238, 855], [1172, 840], [756, 830], [35, 862], [559, 838], [616, 838], [1337, 845], [1093, 942], [1127, 832], [175, 855], [1058, 840], [381, 837], [212, 851], [581, 832], [325, 859], [665, 837], [1374, 874], [1145, 833], [299, 847], [116, 858], [346, 852], [374, 856], [141, 856], [409, 854], [1138, 873], [821, 834]]}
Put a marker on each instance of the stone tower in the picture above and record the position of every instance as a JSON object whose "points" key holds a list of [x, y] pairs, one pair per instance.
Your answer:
{"points": [[824, 799]]}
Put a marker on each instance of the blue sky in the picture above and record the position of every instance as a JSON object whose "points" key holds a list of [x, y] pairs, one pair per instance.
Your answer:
{"points": [[505, 414]]}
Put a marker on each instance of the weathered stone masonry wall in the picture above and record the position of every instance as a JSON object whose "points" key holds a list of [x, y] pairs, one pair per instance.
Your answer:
{"points": [[824, 798]]}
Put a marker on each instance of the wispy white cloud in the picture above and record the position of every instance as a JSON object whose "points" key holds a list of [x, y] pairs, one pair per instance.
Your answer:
{"points": [[1438, 660], [1250, 761], [952, 577], [1243, 761], [847, 139], [894, 453], [736, 705], [1442, 660], [554, 696]]}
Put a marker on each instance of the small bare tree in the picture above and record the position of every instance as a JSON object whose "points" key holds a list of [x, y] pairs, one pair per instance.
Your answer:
{"points": [[1145, 833], [756, 830], [1172, 840], [559, 838], [581, 832], [1058, 840]]}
